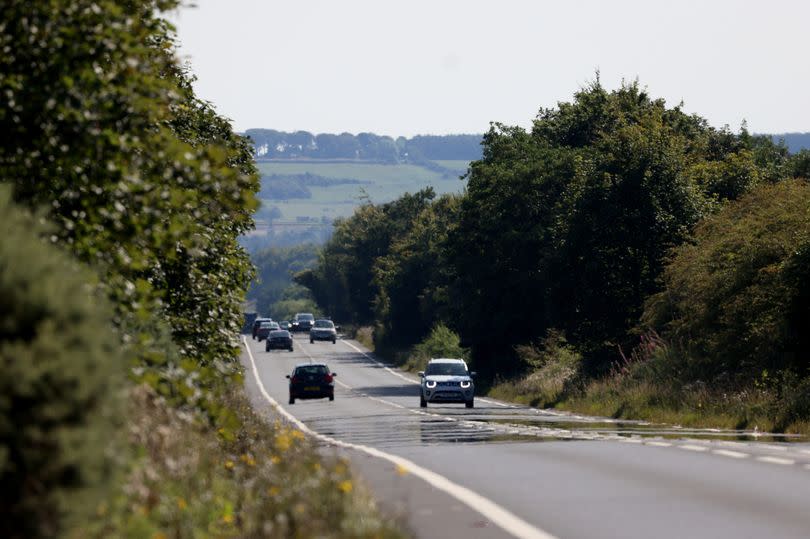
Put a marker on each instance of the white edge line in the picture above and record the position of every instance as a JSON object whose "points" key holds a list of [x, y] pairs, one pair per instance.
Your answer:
{"points": [[732, 454], [777, 460], [400, 375], [689, 447], [490, 510]]}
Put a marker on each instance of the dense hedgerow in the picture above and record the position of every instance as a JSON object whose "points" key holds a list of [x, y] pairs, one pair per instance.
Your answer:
{"points": [[59, 383]]}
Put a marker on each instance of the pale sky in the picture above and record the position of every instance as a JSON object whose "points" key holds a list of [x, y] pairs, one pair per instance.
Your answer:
{"points": [[452, 66]]}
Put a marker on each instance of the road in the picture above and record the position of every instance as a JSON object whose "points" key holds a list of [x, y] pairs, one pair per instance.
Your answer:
{"points": [[502, 470]]}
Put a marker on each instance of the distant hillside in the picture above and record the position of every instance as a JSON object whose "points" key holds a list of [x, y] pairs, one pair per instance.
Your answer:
{"points": [[795, 141], [272, 144]]}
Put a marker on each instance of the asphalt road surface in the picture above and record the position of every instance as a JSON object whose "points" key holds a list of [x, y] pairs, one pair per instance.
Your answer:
{"points": [[502, 470]]}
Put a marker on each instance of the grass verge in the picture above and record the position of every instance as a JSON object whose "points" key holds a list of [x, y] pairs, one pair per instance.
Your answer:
{"points": [[266, 480]]}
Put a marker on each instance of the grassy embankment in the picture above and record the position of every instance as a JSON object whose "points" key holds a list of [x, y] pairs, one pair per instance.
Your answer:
{"points": [[645, 388], [256, 480]]}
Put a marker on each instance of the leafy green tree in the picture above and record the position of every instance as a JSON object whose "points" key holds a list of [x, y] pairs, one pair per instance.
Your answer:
{"points": [[60, 384], [413, 279], [144, 182], [343, 281], [568, 226]]}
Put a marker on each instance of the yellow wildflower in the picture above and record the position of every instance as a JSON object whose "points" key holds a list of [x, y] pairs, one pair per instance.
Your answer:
{"points": [[298, 435], [227, 518], [181, 504], [275, 459], [229, 464], [345, 486], [274, 491], [283, 441], [159, 535]]}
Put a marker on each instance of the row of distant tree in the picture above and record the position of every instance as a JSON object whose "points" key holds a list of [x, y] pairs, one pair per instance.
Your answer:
{"points": [[272, 144], [613, 216]]}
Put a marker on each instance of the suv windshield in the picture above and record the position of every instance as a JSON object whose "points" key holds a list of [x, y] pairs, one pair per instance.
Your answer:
{"points": [[446, 369], [305, 316], [324, 324]]}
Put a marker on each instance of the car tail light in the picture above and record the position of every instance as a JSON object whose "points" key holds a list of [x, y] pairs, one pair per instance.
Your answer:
{"points": [[328, 378], [294, 380]]}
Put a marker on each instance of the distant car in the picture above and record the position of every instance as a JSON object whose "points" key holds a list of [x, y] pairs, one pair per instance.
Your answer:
{"points": [[447, 380], [279, 339], [311, 381], [285, 325], [264, 330], [323, 330], [303, 322], [257, 323]]}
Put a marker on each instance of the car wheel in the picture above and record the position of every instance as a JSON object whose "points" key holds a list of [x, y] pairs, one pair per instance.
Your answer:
{"points": [[469, 404], [311, 341], [331, 397], [292, 399], [266, 348], [422, 402], [291, 348], [334, 341]]}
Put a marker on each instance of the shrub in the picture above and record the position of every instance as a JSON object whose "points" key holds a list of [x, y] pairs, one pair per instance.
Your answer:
{"points": [[58, 385], [442, 342], [734, 299]]}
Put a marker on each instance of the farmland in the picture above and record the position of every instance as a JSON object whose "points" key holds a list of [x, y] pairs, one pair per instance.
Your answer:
{"points": [[379, 183]]}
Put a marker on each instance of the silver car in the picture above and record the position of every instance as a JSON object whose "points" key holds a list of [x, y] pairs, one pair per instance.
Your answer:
{"points": [[447, 380], [323, 330]]}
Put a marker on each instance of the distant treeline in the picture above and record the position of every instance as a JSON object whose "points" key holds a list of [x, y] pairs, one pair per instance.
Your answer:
{"points": [[272, 144]]}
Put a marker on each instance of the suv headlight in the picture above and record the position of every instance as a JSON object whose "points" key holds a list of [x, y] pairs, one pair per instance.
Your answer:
{"points": [[465, 384], [430, 384]]}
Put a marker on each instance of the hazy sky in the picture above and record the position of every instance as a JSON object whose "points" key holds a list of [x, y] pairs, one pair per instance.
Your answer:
{"points": [[452, 66]]}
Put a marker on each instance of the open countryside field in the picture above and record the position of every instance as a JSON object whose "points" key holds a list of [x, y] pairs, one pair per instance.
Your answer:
{"points": [[384, 183]]}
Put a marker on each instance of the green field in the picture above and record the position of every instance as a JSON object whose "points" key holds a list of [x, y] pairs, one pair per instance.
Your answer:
{"points": [[457, 165], [386, 182]]}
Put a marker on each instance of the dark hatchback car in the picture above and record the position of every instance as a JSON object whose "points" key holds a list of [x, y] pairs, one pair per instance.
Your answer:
{"points": [[264, 330], [279, 340], [311, 381]]}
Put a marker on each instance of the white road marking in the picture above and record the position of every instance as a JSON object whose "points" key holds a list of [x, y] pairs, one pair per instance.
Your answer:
{"points": [[777, 460], [658, 444], [729, 453], [493, 512], [690, 447]]}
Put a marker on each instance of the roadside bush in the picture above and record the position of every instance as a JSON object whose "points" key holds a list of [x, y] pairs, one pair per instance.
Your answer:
{"points": [[733, 298], [556, 366], [442, 342], [59, 383]]}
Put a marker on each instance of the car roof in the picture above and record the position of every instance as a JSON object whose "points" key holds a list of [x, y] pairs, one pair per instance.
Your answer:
{"points": [[446, 360]]}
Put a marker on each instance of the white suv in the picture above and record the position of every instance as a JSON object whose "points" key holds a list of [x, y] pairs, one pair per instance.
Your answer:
{"points": [[447, 380]]}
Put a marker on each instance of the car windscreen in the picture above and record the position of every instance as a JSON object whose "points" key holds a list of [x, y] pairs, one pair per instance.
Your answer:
{"points": [[266, 324], [324, 324], [446, 369], [308, 317]]}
